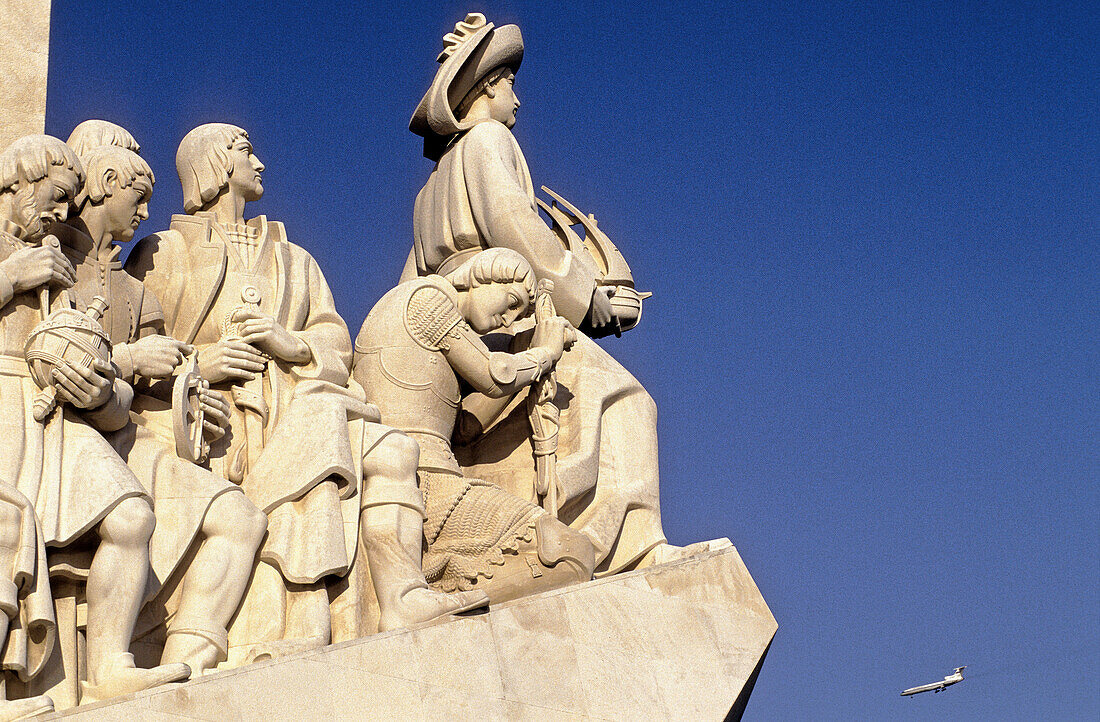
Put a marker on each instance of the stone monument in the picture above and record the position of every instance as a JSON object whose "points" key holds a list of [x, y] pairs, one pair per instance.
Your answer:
{"points": [[214, 505], [24, 55]]}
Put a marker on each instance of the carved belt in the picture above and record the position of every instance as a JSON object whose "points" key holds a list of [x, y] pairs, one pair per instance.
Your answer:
{"points": [[14, 366]]}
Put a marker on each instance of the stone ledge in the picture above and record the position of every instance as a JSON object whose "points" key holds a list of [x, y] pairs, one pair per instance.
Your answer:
{"points": [[683, 640]]}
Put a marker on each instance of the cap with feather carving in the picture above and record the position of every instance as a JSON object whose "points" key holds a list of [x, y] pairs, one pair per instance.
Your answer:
{"points": [[475, 49]]}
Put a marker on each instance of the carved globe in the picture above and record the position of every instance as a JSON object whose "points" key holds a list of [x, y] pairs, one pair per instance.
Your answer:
{"points": [[66, 336]]}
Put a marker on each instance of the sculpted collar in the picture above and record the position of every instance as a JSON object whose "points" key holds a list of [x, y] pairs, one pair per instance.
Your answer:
{"points": [[210, 220], [79, 245]]}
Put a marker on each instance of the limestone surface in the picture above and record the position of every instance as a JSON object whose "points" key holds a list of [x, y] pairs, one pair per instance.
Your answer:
{"points": [[683, 640], [24, 54]]}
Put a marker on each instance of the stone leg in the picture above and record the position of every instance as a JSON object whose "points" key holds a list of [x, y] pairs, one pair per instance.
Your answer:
{"points": [[214, 583], [392, 525], [278, 618], [555, 557], [10, 523], [115, 591]]}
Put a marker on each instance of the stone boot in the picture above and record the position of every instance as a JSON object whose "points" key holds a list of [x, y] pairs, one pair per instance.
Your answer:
{"points": [[17, 709], [126, 678], [198, 649], [557, 557], [392, 535]]}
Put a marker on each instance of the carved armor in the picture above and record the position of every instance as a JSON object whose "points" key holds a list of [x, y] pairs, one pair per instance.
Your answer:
{"points": [[479, 536]]}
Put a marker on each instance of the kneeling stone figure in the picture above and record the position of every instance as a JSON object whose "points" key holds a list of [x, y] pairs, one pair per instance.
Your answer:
{"points": [[417, 348]]}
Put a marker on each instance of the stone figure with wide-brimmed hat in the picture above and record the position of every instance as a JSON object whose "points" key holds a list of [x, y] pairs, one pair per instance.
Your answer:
{"points": [[480, 195]]}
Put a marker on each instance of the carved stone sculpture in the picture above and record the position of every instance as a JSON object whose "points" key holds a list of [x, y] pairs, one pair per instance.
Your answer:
{"points": [[27, 624], [200, 516], [84, 494], [96, 133], [304, 448], [419, 342], [480, 195]]}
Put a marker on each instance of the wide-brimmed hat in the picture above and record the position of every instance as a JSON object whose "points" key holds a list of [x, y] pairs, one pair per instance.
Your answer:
{"points": [[475, 49]]}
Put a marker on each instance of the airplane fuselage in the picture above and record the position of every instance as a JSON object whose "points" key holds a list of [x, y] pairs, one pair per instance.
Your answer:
{"points": [[936, 686]]}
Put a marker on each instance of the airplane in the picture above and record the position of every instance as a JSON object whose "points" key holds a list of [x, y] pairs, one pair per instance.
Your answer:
{"points": [[953, 678]]}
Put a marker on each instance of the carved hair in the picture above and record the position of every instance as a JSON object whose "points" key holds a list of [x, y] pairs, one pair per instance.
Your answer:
{"points": [[485, 85], [202, 162], [31, 157], [110, 161], [495, 265], [95, 133]]}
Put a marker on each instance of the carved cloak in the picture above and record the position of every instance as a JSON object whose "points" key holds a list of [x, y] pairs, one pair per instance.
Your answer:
{"points": [[306, 440], [480, 195]]}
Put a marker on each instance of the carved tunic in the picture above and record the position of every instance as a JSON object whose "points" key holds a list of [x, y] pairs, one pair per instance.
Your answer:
{"points": [[303, 464], [66, 467], [182, 492], [407, 374]]}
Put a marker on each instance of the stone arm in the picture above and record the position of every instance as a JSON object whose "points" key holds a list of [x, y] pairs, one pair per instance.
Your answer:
{"points": [[115, 413], [322, 330], [493, 373], [159, 264], [150, 323], [505, 214]]}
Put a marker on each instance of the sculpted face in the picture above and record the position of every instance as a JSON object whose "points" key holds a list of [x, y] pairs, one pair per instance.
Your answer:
{"points": [[126, 208], [495, 305], [504, 104], [244, 171], [48, 201]]}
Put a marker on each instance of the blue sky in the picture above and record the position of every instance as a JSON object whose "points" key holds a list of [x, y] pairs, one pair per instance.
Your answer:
{"points": [[871, 230]]}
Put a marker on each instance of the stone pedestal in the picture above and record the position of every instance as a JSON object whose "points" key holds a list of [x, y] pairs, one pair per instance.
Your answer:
{"points": [[24, 55], [679, 641]]}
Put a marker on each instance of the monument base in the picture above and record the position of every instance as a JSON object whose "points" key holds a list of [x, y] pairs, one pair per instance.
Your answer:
{"points": [[683, 640]]}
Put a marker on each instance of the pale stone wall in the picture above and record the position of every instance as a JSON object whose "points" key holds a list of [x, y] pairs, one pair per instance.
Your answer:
{"points": [[24, 59], [679, 641]]}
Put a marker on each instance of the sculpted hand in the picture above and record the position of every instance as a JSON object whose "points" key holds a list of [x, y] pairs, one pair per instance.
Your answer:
{"points": [[216, 412], [600, 313], [34, 266], [552, 335], [82, 387], [156, 357], [264, 332], [230, 359]]}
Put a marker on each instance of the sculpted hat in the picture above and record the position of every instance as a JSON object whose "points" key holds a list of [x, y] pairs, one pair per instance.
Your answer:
{"points": [[473, 50]]}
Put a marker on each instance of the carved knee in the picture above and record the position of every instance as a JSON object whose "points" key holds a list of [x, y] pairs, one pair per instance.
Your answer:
{"points": [[396, 456], [130, 523], [234, 517]]}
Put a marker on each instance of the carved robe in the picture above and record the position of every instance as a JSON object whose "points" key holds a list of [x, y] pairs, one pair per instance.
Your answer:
{"points": [[66, 467], [289, 442], [25, 596], [479, 196], [182, 492]]}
